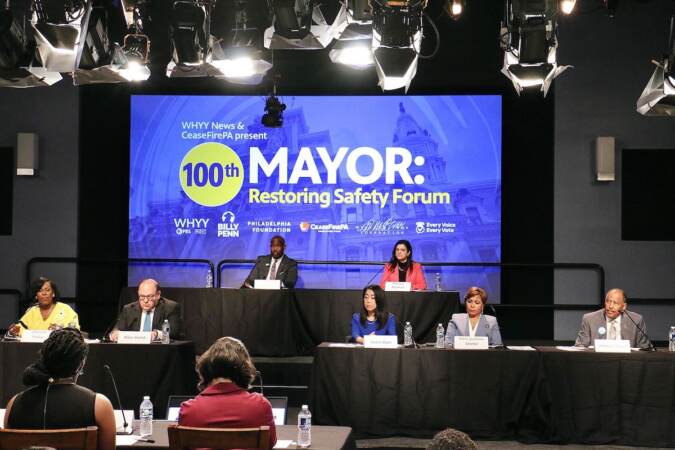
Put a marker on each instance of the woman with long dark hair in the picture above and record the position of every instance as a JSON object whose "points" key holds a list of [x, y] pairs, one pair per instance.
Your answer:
{"points": [[54, 400], [401, 267], [373, 318]]}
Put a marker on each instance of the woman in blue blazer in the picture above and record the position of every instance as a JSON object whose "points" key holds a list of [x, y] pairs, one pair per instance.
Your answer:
{"points": [[474, 322], [373, 318]]}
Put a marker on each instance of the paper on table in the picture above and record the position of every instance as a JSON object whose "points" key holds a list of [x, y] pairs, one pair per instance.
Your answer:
{"points": [[570, 348], [126, 439], [283, 443], [340, 344], [520, 347]]}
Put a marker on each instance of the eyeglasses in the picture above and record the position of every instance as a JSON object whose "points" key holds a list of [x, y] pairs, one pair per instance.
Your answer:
{"points": [[147, 298]]}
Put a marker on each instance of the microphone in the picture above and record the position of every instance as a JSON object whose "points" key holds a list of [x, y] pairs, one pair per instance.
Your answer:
{"points": [[24, 325], [117, 393], [106, 333], [651, 346], [376, 274]]}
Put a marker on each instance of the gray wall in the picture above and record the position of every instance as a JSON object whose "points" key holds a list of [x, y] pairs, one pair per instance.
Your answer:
{"points": [[611, 59], [45, 206]]}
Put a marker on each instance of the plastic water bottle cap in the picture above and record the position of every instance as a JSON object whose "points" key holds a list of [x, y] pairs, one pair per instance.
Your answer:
{"points": [[146, 397]]}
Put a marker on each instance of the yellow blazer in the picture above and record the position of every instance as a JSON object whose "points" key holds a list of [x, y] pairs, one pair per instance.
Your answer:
{"points": [[62, 315]]}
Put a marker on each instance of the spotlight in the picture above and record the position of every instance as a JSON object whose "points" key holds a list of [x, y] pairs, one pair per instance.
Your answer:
{"points": [[16, 53], [455, 8], [237, 49], [353, 47], [56, 29], [658, 97], [299, 25], [100, 57], [567, 6], [274, 113], [397, 38], [188, 31], [528, 37]]}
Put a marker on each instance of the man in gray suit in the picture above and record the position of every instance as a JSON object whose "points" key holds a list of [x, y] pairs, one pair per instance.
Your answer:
{"points": [[275, 266], [612, 322]]}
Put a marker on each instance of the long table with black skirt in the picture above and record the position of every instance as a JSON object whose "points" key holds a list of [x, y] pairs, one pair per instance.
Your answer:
{"points": [[156, 370], [609, 398], [323, 438], [417, 392], [294, 322], [547, 395]]}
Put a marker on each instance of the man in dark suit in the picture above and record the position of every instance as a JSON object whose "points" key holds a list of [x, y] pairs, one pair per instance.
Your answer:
{"points": [[612, 322], [149, 313], [275, 266]]}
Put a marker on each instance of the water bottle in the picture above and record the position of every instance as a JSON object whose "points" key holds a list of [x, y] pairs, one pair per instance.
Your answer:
{"points": [[671, 345], [209, 279], [166, 332], [440, 336], [407, 335], [437, 282], [304, 427], [146, 416]]}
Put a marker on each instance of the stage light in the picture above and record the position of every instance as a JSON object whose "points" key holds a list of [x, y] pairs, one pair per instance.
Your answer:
{"points": [[397, 39], [455, 8], [56, 29], [100, 57], [19, 64], [658, 97], [299, 25], [274, 112], [528, 38], [353, 47], [237, 49], [567, 6], [189, 32]]}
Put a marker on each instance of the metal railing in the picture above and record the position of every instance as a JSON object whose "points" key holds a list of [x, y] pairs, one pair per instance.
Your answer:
{"points": [[111, 261], [597, 268]]}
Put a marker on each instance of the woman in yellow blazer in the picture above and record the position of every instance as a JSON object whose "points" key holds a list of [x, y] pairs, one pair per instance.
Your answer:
{"points": [[48, 313]]}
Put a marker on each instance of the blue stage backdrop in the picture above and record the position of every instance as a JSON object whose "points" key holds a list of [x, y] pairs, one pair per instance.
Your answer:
{"points": [[343, 179]]}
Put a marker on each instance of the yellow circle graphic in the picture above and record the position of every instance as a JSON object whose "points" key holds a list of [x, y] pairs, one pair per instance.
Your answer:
{"points": [[211, 174]]}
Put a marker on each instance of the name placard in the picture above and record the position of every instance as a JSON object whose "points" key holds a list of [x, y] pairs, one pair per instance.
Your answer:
{"points": [[134, 337], [612, 346], [35, 335], [471, 343], [398, 286], [267, 284], [374, 341]]}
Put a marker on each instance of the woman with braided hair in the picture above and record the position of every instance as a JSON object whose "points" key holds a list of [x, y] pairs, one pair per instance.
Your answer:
{"points": [[53, 399]]}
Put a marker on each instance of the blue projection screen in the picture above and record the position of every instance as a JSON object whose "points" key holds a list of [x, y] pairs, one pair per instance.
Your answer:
{"points": [[343, 179]]}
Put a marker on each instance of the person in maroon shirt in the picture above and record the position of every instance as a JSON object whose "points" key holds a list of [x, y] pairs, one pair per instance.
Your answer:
{"points": [[225, 373]]}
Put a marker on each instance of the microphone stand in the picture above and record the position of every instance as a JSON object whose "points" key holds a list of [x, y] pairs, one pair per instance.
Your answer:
{"points": [[651, 346], [119, 401]]}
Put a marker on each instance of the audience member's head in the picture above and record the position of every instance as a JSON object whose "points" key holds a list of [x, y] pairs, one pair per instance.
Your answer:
{"points": [[226, 358], [451, 439], [62, 355]]}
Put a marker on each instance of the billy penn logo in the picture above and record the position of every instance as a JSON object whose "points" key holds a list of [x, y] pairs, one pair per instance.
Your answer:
{"points": [[211, 174]]}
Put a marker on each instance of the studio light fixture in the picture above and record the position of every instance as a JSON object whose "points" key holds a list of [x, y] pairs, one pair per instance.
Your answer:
{"points": [[353, 47], [658, 97], [528, 38], [455, 8], [567, 6], [101, 58], [56, 29], [189, 32], [18, 67], [237, 29], [299, 25], [397, 39]]}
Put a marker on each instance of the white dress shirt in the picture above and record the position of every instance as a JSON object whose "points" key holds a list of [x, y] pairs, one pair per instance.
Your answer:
{"points": [[617, 323]]}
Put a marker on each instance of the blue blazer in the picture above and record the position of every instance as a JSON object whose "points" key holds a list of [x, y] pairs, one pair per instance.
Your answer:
{"points": [[389, 328], [487, 326]]}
